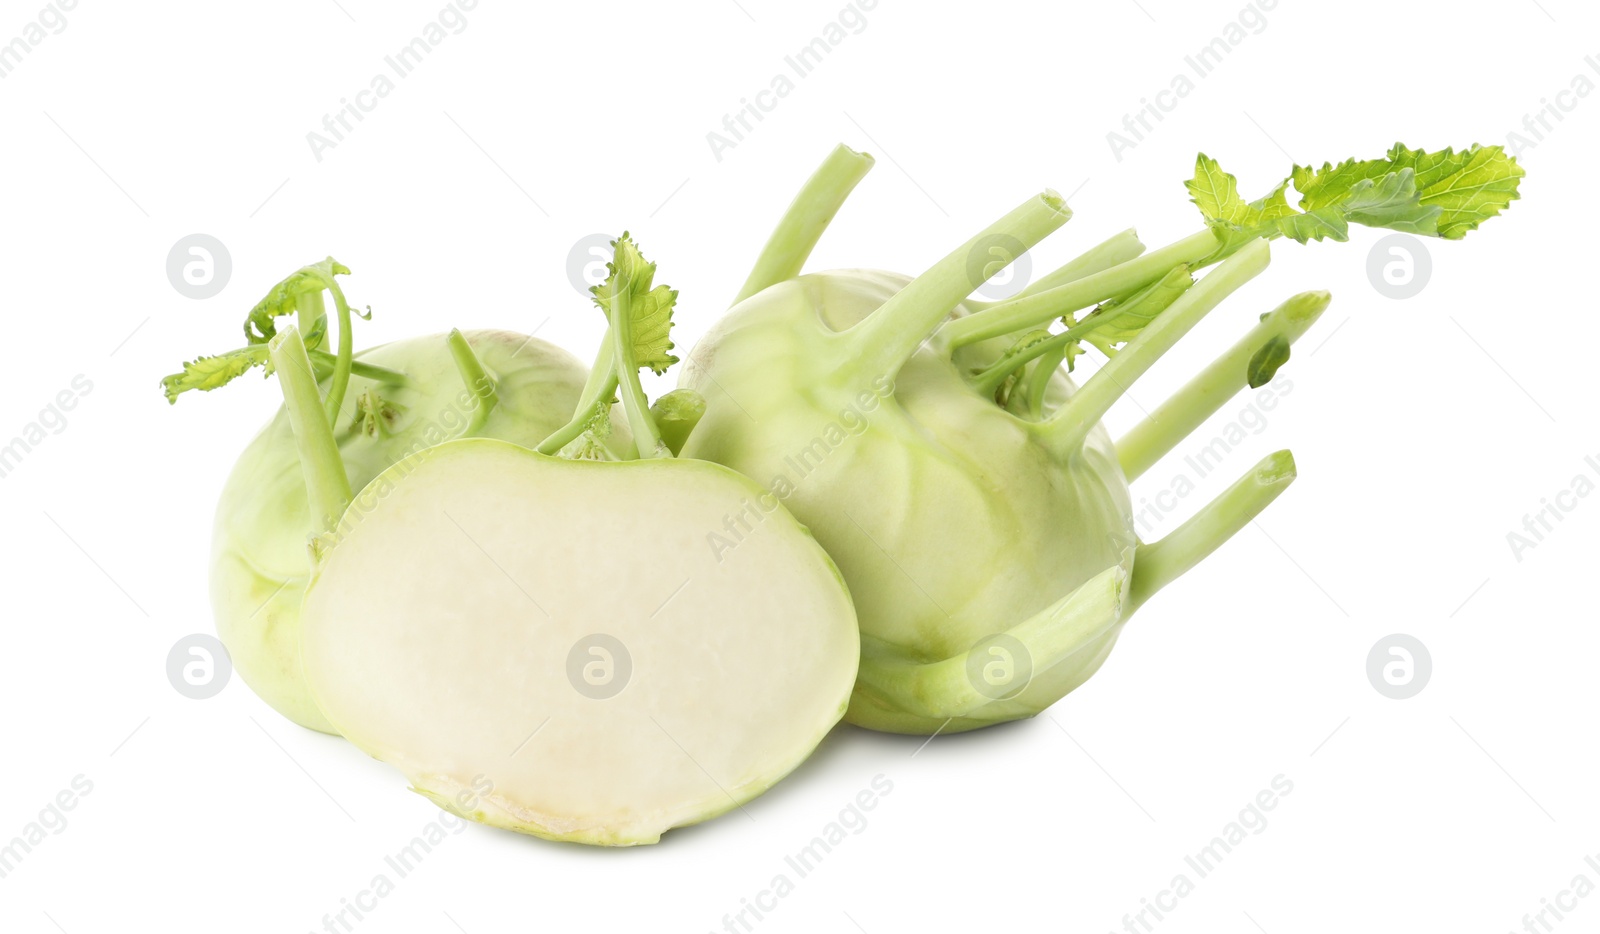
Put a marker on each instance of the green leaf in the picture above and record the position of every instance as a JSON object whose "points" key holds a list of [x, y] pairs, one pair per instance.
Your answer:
{"points": [[1213, 191], [1468, 187], [208, 373], [284, 298], [1119, 321], [1443, 194], [650, 306]]}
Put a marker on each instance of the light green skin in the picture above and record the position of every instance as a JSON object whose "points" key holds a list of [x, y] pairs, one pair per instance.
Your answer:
{"points": [[260, 558], [951, 519]]}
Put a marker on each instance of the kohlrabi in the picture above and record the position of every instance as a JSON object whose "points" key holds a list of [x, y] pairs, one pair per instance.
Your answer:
{"points": [[544, 643], [961, 481], [377, 407]]}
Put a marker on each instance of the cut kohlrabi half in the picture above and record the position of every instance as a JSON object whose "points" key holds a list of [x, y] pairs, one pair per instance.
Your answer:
{"points": [[549, 645]]}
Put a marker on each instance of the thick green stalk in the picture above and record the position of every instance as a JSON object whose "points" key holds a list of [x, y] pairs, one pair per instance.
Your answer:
{"points": [[308, 310], [327, 483], [1159, 563], [602, 383], [341, 366], [945, 688], [646, 436], [1199, 399], [602, 377], [1067, 427], [326, 362], [477, 380], [808, 216], [1038, 381], [1039, 308], [1118, 248], [883, 342]]}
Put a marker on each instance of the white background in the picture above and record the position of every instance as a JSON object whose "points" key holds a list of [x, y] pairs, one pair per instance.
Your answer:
{"points": [[1425, 430]]}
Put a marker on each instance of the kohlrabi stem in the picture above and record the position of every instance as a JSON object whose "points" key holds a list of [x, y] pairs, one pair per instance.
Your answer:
{"points": [[326, 362], [477, 380], [989, 380], [646, 436], [945, 688], [327, 484], [1119, 248], [888, 337], [602, 383], [341, 366], [1038, 381], [1159, 563], [1174, 419], [1039, 308], [308, 309], [802, 225], [1068, 426]]}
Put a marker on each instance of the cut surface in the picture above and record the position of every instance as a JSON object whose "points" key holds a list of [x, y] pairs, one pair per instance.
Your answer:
{"points": [[581, 651]]}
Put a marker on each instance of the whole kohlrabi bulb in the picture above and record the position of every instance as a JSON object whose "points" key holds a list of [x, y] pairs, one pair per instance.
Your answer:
{"points": [[951, 519], [963, 484]]}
